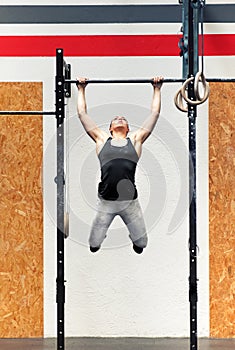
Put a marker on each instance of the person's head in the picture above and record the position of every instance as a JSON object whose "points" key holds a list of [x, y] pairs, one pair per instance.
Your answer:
{"points": [[119, 123]]}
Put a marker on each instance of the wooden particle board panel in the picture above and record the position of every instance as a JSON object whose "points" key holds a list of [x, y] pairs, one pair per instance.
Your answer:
{"points": [[222, 209], [21, 208]]}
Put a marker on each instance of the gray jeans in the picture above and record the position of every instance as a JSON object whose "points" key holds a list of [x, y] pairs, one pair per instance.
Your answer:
{"points": [[131, 214]]}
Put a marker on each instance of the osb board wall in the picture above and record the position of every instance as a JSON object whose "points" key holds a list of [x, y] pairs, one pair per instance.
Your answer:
{"points": [[21, 222], [222, 209]]}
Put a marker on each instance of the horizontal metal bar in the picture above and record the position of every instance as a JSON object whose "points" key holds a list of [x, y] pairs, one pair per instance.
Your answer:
{"points": [[146, 81], [124, 81], [220, 80], [26, 113]]}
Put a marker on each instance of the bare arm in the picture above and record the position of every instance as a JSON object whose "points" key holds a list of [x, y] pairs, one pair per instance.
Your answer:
{"points": [[88, 123], [147, 127]]}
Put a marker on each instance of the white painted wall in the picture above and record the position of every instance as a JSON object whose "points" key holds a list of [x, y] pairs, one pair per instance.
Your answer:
{"points": [[115, 292]]}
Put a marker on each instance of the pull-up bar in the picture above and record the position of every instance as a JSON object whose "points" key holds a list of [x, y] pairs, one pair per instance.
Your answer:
{"points": [[124, 81], [26, 113], [220, 80], [145, 81]]}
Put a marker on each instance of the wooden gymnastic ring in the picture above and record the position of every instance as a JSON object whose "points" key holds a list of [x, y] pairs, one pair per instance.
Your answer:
{"points": [[201, 78], [185, 97], [179, 101]]}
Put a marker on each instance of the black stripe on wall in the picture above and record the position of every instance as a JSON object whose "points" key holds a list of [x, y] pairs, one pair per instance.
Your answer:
{"points": [[110, 14]]}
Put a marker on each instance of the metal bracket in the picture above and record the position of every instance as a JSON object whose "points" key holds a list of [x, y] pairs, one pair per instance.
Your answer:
{"points": [[67, 87]]}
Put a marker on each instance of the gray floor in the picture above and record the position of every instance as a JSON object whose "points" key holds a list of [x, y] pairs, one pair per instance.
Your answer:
{"points": [[117, 344]]}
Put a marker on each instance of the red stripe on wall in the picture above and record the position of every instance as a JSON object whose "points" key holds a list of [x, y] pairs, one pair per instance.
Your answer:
{"points": [[90, 45], [219, 44], [110, 45]]}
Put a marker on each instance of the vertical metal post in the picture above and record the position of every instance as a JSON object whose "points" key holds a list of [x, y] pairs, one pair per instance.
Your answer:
{"points": [[184, 51], [184, 40], [192, 114], [60, 114], [195, 35]]}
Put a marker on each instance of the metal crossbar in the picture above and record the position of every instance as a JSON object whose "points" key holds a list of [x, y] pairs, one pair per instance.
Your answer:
{"points": [[146, 81], [26, 113]]}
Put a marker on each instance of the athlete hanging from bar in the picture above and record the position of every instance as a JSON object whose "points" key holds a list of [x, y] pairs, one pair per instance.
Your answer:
{"points": [[118, 155]]}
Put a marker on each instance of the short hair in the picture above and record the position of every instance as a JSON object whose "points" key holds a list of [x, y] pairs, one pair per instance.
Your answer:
{"points": [[112, 122]]}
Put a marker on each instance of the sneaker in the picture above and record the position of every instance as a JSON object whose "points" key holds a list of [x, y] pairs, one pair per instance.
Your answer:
{"points": [[137, 249], [94, 249]]}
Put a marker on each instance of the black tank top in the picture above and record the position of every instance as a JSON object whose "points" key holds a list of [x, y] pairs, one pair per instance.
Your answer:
{"points": [[118, 166]]}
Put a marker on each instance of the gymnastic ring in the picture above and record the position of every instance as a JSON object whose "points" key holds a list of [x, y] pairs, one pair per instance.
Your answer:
{"points": [[66, 225], [183, 89], [201, 78], [179, 101], [185, 97]]}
